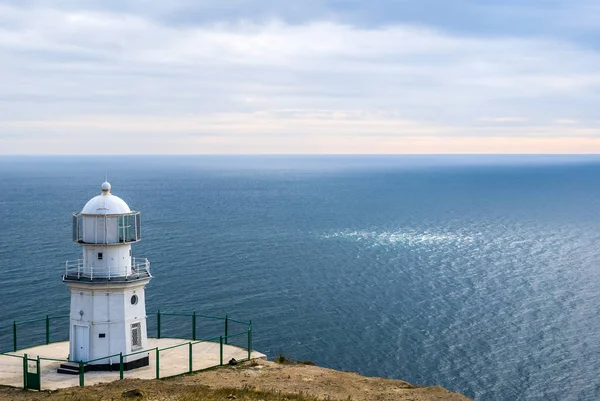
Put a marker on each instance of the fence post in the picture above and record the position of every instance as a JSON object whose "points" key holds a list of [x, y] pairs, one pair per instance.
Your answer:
{"points": [[194, 326], [47, 329], [81, 374], [226, 329], [39, 373], [190, 356], [157, 363], [25, 369], [120, 366], [221, 350], [14, 335], [250, 340], [158, 324]]}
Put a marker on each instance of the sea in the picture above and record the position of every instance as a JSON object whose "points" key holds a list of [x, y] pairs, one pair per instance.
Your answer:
{"points": [[480, 274]]}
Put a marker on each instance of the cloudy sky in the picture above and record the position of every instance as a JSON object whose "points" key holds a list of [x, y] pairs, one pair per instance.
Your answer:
{"points": [[310, 76]]}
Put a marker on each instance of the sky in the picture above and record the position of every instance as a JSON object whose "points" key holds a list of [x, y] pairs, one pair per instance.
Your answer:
{"points": [[299, 77]]}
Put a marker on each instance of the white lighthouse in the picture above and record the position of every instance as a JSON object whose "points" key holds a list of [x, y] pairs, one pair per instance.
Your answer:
{"points": [[108, 312]]}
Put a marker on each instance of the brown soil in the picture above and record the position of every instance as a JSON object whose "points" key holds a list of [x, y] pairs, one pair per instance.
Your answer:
{"points": [[256, 380]]}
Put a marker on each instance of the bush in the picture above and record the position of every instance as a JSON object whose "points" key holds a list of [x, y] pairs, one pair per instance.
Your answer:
{"points": [[282, 359]]}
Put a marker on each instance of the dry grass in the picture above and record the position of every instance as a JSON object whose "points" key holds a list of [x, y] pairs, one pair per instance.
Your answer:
{"points": [[243, 394], [249, 381], [185, 393]]}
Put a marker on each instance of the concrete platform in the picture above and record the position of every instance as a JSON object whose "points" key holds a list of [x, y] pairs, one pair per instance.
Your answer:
{"points": [[172, 362]]}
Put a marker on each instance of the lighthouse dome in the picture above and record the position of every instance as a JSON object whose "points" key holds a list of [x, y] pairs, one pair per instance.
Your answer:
{"points": [[106, 203]]}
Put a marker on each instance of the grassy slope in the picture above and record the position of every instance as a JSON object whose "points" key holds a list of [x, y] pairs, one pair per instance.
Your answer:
{"points": [[256, 380]]}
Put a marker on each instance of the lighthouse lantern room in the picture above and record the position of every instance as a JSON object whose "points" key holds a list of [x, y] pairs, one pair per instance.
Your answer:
{"points": [[108, 312]]}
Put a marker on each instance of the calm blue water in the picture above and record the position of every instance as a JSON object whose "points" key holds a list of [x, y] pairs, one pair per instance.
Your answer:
{"points": [[478, 274]]}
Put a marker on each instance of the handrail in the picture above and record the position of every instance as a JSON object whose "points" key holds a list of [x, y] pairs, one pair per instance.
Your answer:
{"points": [[173, 346], [237, 321], [15, 356], [187, 314], [236, 334], [177, 314], [139, 352], [207, 340], [30, 321], [198, 315], [43, 319], [140, 267], [54, 359], [211, 317]]}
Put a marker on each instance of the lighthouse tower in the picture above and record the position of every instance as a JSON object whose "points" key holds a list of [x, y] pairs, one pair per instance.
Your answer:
{"points": [[108, 312]]}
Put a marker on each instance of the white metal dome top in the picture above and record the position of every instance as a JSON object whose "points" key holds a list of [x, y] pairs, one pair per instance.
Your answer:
{"points": [[106, 203]]}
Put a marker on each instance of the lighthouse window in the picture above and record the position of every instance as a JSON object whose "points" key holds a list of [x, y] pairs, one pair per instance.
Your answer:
{"points": [[127, 227], [99, 255], [134, 300], [136, 336]]}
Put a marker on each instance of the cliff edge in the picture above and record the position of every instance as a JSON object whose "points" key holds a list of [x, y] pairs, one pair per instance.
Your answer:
{"points": [[255, 380]]}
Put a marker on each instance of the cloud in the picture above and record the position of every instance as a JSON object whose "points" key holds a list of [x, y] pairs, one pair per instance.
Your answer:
{"points": [[74, 73], [575, 19], [565, 121], [503, 119]]}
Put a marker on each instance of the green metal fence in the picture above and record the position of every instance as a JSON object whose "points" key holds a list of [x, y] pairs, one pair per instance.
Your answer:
{"points": [[240, 338], [48, 336]]}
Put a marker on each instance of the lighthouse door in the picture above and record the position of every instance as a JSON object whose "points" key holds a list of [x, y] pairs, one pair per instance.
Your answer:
{"points": [[81, 343]]}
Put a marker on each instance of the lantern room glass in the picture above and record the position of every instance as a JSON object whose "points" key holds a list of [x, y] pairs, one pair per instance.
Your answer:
{"points": [[128, 228]]}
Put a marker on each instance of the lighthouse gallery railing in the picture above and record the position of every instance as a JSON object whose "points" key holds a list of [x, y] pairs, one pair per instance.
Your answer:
{"points": [[76, 270]]}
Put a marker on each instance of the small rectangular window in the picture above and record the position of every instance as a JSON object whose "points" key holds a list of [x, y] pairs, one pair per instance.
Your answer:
{"points": [[102, 335], [130, 252], [99, 255], [136, 336]]}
